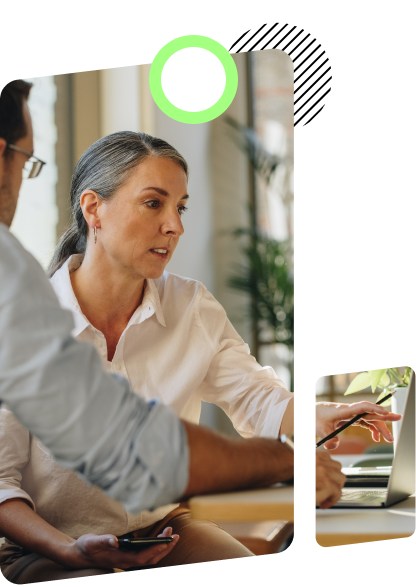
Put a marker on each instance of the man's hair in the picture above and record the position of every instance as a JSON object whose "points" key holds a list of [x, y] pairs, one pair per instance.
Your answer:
{"points": [[12, 122]]}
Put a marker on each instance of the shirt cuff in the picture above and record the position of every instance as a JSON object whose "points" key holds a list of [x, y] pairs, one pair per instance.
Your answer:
{"points": [[15, 493], [270, 427]]}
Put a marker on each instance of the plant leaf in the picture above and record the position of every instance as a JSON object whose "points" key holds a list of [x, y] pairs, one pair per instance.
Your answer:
{"points": [[269, 281], [360, 381], [383, 394], [384, 381], [375, 377], [396, 376]]}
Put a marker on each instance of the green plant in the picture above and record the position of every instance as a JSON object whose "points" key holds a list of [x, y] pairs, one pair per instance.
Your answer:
{"points": [[266, 277], [386, 379], [275, 310]]}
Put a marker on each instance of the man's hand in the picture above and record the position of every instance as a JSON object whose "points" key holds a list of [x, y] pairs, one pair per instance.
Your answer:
{"points": [[91, 551], [329, 480], [330, 416]]}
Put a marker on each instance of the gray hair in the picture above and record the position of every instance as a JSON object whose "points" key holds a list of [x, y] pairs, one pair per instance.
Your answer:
{"points": [[103, 168]]}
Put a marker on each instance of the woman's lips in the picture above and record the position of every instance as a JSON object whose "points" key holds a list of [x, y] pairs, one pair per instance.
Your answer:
{"points": [[161, 253]]}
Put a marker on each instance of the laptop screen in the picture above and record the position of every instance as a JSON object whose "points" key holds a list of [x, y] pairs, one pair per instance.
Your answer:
{"points": [[366, 471]]}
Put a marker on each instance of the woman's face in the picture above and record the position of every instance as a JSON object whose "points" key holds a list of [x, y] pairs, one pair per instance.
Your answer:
{"points": [[141, 224]]}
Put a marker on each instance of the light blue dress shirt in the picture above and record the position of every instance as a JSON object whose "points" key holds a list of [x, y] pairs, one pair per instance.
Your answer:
{"points": [[133, 450]]}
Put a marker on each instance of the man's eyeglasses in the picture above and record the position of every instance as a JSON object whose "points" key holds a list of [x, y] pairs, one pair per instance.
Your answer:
{"points": [[33, 165]]}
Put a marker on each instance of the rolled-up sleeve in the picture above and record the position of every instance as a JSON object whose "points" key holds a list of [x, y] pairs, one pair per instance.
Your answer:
{"points": [[56, 387], [253, 397], [14, 456]]}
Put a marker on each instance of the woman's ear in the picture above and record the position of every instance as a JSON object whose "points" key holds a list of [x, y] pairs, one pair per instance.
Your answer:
{"points": [[90, 203]]}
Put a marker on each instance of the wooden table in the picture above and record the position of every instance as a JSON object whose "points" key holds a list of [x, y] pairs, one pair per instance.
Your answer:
{"points": [[272, 503], [335, 527]]}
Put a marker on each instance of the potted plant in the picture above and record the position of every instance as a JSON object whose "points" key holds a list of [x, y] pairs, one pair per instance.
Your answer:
{"points": [[387, 380], [279, 316]]}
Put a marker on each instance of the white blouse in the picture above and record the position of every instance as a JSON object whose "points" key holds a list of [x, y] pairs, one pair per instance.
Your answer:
{"points": [[180, 347]]}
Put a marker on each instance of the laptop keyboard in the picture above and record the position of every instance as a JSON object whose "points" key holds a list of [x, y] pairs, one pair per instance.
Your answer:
{"points": [[352, 495]]}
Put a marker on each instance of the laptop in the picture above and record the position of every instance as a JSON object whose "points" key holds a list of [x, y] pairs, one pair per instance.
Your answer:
{"points": [[401, 481], [367, 476]]}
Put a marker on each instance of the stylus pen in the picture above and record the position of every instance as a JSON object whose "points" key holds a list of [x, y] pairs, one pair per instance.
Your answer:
{"points": [[284, 439], [355, 419]]}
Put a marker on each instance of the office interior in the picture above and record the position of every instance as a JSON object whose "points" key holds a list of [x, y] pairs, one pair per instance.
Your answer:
{"points": [[71, 111], [360, 302]]}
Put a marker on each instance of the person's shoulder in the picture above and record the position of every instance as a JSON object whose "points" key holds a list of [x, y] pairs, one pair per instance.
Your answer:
{"points": [[60, 277], [179, 296], [172, 284], [61, 285], [8, 421], [19, 270], [14, 256], [190, 292]]}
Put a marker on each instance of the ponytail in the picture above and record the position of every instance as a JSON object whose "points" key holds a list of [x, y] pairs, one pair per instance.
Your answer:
{"points": [[70, 243]]}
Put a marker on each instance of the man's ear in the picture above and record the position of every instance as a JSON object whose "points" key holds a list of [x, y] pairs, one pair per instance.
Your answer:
{"points": [[2, 150]]}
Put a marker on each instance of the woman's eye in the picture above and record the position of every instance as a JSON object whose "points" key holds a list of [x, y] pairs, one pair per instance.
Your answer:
{"points": [[152, 203]]}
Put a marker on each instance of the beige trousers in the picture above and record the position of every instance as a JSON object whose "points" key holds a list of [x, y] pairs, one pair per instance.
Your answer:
{"points": [[200, 541]]}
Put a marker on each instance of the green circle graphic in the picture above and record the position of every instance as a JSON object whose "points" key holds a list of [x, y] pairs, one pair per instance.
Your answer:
{"points": [[155, 79]]}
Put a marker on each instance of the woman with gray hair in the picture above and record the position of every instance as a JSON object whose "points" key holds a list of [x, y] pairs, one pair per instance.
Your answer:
{"points": [[166, 334]]}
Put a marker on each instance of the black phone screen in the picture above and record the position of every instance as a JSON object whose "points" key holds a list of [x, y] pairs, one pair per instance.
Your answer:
{"points": [[140, 543]]}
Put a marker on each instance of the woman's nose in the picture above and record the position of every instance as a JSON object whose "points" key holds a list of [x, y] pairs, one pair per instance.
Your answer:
{"points": [[173, 224]]}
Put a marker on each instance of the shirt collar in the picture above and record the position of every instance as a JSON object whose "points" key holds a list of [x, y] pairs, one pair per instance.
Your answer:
{"points": [[149, 306], [61, 282]]}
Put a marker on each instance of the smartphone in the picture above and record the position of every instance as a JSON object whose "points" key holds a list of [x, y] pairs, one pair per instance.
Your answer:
{"points": [[139, 543]]}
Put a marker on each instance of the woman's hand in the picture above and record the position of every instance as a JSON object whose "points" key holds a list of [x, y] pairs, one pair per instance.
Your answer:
{"points": [[92, 551], [329, 480], [330, 416]]}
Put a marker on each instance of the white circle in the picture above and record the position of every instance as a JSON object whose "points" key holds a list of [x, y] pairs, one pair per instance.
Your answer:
{"points": [[193, 79]]}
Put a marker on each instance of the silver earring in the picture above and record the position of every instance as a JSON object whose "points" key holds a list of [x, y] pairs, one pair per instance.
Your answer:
{"points": [[95, 235]]}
